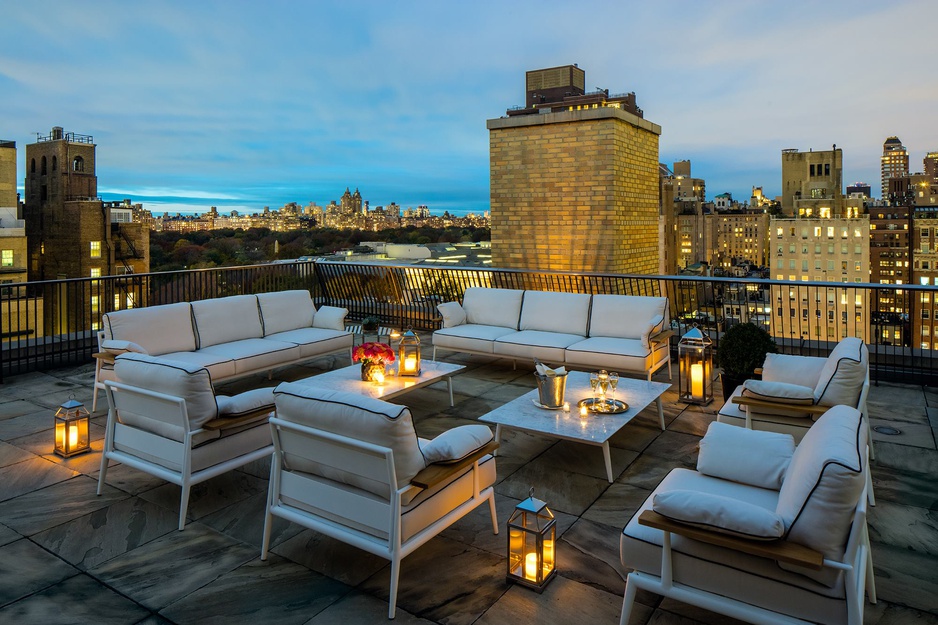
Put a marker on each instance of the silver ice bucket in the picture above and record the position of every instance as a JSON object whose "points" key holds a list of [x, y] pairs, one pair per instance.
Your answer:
{"points": [[551, 389]]}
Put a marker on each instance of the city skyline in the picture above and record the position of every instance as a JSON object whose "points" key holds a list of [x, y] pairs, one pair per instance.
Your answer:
{"points": [[242, 106]]}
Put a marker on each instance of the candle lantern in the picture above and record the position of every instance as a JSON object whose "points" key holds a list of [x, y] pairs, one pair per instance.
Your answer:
{"points": [[72, 429], [408, 354], [532, 540], [695, 354]]}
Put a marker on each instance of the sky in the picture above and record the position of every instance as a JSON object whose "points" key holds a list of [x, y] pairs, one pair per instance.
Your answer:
{"points": [[243, 104]]}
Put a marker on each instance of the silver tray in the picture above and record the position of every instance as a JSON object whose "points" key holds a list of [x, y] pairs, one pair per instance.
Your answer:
{"points": [[608, 406]]}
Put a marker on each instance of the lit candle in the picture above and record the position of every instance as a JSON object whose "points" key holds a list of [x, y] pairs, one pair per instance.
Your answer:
{"points": [[530, 566], [584, 411], [566, 406], [697, 381], [73, 435], [410, 363], [379, 378], [548, 555], [60, 435]]}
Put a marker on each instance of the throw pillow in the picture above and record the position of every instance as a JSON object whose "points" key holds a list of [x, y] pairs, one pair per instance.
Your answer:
{"points": [[456, 444], [750, 457], [330, 318], [453, 314], [720, 514]]}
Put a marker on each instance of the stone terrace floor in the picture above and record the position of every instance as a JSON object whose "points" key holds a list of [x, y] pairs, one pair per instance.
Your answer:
{"points": [[68, 556]]}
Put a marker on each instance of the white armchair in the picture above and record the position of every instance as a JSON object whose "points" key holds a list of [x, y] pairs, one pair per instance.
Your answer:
{"points": [[762, 531], [164, 419], [795, 390], [352, 468]]}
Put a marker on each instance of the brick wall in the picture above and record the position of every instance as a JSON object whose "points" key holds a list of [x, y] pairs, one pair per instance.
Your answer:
{"points": [[575, 191]]}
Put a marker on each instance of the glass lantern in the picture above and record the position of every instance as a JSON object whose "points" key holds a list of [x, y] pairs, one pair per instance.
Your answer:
{"points": [[695, 354], [408, 355], [532, 540], [72, 429]]}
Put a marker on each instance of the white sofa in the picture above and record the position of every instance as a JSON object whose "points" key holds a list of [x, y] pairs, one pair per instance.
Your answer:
{"points": [[229, 336], [762, 531], [617, 332]]}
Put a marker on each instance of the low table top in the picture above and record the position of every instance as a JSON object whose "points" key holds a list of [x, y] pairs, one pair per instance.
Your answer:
{"points": [[522, 413], [349, 379]]}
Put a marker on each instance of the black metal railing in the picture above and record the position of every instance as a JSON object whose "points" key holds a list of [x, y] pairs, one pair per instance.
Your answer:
{"points": [[45, 325]]}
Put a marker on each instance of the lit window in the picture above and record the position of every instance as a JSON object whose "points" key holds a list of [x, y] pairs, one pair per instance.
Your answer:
{"points": [[6, 258], [96, 249]]}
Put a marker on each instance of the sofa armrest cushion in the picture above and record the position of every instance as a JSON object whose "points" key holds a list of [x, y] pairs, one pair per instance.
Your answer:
{"points": [[720, 514], [330, 318], [245, 403], [842, 378], [779, 392], [653, 326], [454, 444], [114, 346], [751, 457], [453, 314]]}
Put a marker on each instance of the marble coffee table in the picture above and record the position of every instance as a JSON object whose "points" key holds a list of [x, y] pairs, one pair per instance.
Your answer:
{"points": [[523, 413], [349, 380]]}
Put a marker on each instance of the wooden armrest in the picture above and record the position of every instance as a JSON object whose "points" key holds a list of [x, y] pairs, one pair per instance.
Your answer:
{"points": [[223, 423], [779, 550], [757, 371], [105, 357], [436, 473], [752, 402], [661, 337]]}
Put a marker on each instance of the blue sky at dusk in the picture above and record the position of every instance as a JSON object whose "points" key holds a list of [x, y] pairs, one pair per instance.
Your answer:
{"points": [[243, 104]]}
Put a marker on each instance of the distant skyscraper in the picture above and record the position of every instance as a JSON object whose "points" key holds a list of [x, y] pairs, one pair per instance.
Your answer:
{"points": [[575, 188], [812, 183], [894, 163], [930, 164]]}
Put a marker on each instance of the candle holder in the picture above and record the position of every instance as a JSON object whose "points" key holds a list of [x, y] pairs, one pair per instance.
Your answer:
{"points": [[72, 429], [695, 354], [408, 355], [532, 540]]}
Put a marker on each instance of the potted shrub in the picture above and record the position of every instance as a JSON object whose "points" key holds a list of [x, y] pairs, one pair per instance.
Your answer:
{"points": [[370, 324], [741, 350]]}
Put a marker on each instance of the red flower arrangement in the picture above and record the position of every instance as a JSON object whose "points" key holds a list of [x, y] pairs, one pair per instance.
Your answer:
{"points": [[380, 353]]}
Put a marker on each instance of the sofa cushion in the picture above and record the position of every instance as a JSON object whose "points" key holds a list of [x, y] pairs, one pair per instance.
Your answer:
{"points": [[725, 515], [470, 337], [747, 456], [844, 374], [614, 354], [157, 329], [170, 377], [627, 316], [219, 366], [453, 314], [314, 341], [251, 355], [493, 307], [246, 402], [330, 318], [823, 484], [456, 443], [354, 416], [792, 369], [547, 311], [791, 395], [529, 344], [227, 319], [286, 310]]}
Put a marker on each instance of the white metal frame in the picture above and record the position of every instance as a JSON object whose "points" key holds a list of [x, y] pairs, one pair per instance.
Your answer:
{"points": [[384, 516], [857, 565], [171, 410]]}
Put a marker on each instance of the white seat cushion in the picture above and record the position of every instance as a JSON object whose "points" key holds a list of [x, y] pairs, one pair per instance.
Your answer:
{"points": [[286, 310], [790, 395], [530, 344], [256, 354], [613, 353], [470, 337], [314, 341], [219, 366]]}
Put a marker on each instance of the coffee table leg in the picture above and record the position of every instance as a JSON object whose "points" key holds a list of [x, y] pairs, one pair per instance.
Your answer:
{"points": [[660, 413], [608, 458], [449, 381], [498, 437]]}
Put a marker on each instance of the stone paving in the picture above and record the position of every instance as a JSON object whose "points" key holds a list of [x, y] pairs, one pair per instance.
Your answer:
{"points": [[68, 556]]}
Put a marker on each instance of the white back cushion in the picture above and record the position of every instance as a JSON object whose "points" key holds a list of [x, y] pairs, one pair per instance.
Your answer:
{"points": [[493, 307], [179, 379], [227, 319], [823, 484], [555, 312], [627, 316], [844, 373], [747, 456], [359, 417], [286, 310], [157, 329]]}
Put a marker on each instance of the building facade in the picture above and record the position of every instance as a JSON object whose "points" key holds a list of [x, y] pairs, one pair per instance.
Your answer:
{"points": [[810, 181], [575, 191], [893, 164]]}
